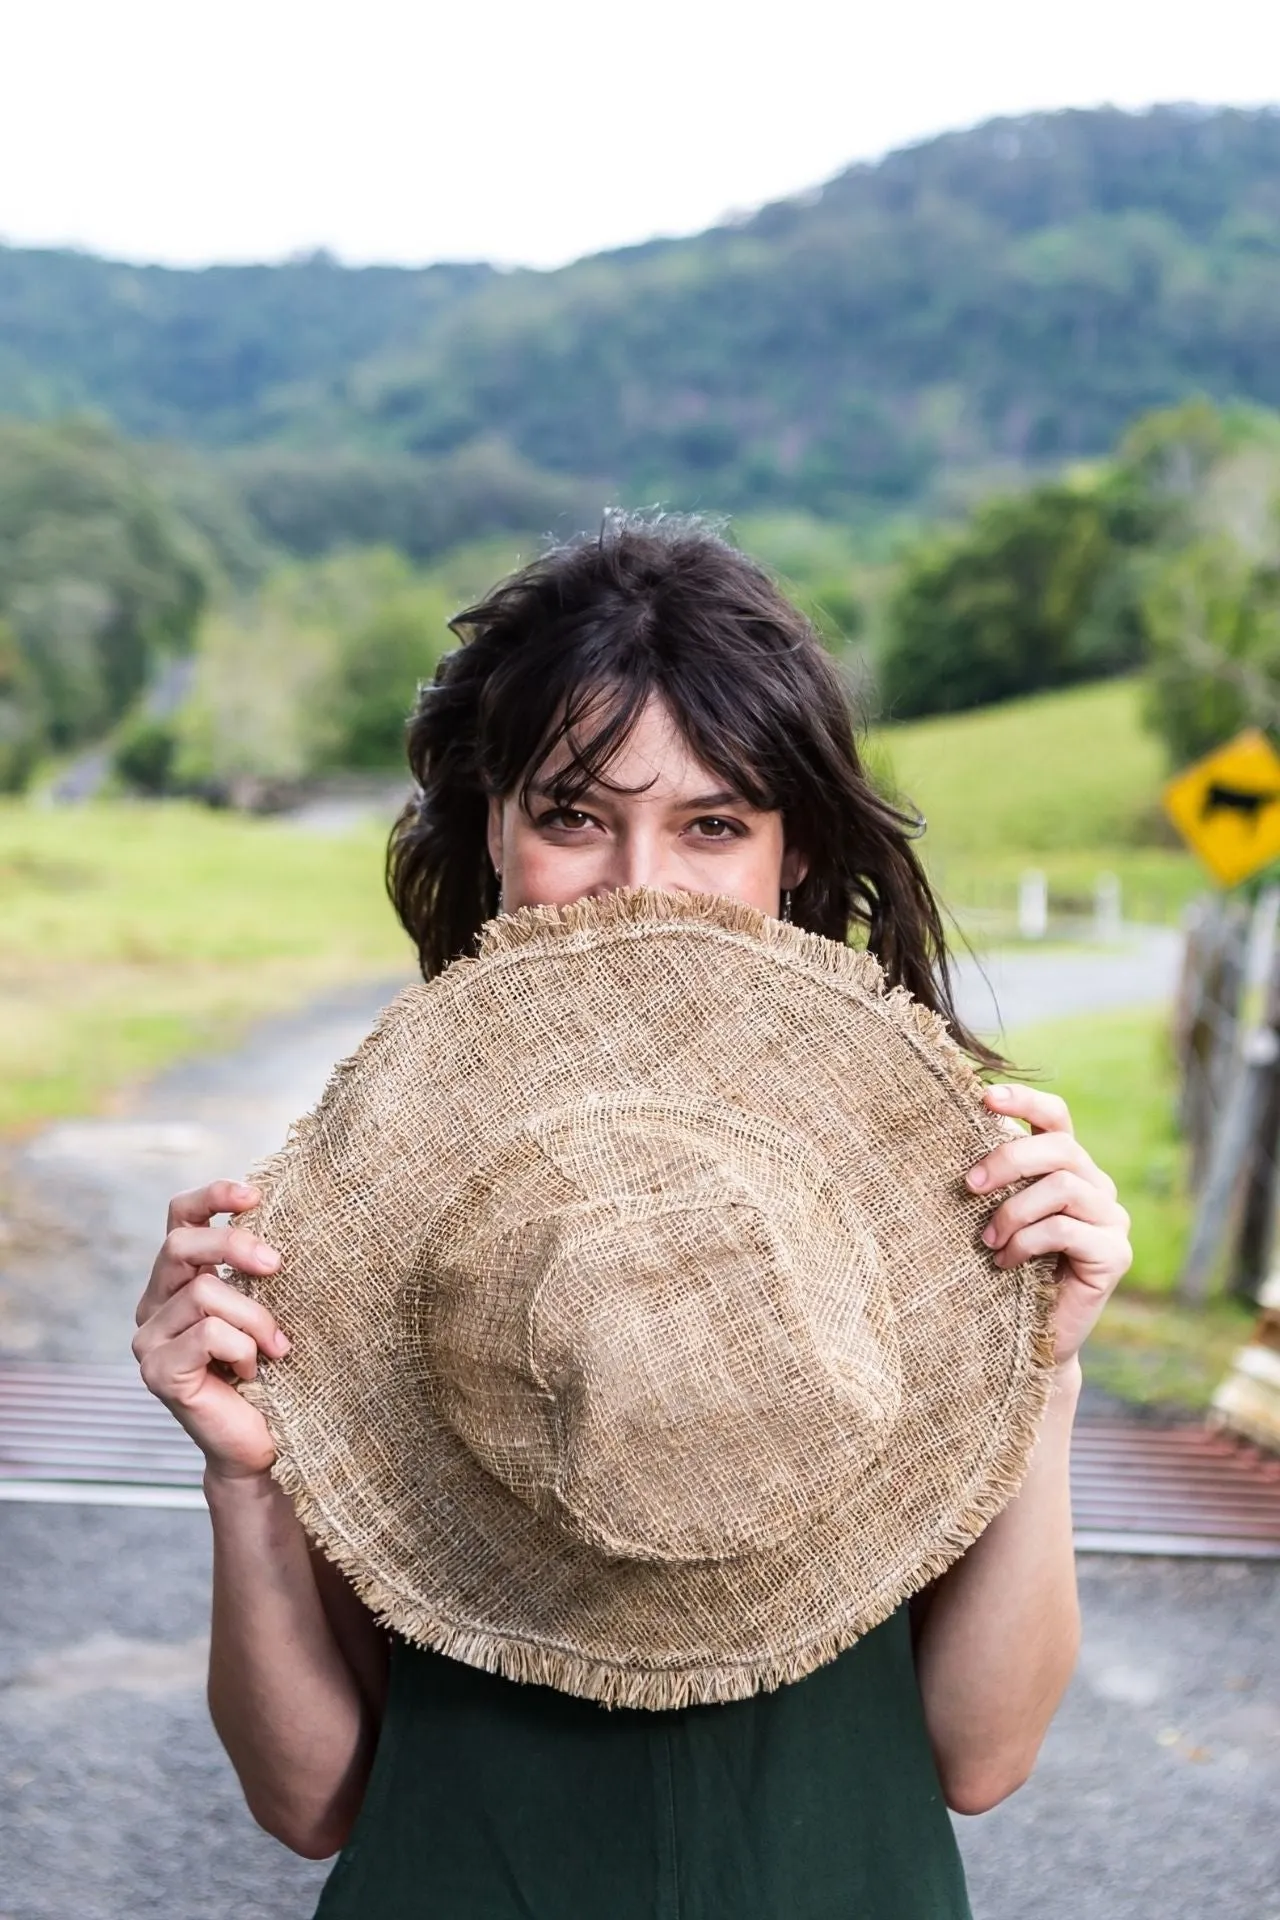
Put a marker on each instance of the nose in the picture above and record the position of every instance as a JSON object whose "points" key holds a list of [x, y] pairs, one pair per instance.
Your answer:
{"points": [[640, 860]]}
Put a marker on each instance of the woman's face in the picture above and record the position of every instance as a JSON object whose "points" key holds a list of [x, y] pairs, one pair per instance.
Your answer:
{"points": [[674, 827]]}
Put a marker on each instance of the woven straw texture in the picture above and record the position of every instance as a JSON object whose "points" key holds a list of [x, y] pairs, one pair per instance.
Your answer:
{"points": [[644, 1342]]}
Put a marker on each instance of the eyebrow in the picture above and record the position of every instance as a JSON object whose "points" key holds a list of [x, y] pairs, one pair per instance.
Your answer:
{"points": [[698, 802], [725, 798]]}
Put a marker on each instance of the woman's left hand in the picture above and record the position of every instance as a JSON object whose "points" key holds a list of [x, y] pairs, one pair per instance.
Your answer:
{"points": [[1069, 1208]]}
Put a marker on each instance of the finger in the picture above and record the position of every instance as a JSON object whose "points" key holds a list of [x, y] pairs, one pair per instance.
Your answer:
{"points": [[1085, 1245], [189, 1250], [1031, 1155], [177, 1370], [1054, 1193], [197, 1207], [195, 1247], [209, 1296], [1046, 1112]]}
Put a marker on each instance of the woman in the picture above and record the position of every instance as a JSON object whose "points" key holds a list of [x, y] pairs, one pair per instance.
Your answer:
{"points": [[641, 709]]}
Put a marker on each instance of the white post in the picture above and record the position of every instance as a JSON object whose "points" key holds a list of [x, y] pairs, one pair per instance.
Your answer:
{"points": [[1108, 922], [1033, 906]]}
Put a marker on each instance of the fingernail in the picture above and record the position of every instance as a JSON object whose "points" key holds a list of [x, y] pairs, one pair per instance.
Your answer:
{"points": [[242, 1192], [280, 1343], [267, 1258], [997, 1093], [976, 1178], [989, 1236]]}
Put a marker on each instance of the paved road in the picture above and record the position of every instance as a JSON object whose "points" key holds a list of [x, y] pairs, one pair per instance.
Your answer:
{"points": [[1018, 987], [1156, 1795]]}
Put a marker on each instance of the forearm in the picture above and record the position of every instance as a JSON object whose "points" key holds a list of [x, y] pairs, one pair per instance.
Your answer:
{"points": [[1000, 1635], [283, 1699]]}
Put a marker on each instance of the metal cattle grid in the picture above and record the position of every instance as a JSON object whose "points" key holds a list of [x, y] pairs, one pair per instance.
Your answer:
{"points": [[94, 1434]]}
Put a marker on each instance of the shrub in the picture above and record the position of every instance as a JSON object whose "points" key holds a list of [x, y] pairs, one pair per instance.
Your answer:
{"points": [[145, 755]]}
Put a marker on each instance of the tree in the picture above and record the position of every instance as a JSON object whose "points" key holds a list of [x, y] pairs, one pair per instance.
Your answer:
{"points": [[380, 668], [1213, 620], [313, 674], [98, 578], [1210, 599], [21, 728], [1031, 594], [260, 706], [318, 503]]}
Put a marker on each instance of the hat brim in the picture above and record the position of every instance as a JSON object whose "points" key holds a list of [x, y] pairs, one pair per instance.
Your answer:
{"points": [[666, 994]]}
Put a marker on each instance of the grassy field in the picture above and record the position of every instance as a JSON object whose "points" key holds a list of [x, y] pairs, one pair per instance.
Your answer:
{"points": [[1116, 1073], [1153, 1352], [1066, 782], [130, 935]]}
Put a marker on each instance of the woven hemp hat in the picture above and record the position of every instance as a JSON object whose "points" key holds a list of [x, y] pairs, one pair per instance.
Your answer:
{"points": [[644, 1341]]}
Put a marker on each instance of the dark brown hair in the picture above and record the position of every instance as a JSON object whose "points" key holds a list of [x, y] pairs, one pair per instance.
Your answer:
{"points": [[657, 605]]}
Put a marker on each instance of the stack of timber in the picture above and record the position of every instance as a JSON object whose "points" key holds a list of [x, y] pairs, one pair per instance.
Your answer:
{"points": [[1248, 1401]]}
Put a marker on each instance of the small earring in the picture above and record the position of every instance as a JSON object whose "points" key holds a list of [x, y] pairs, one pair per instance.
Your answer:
{"points": [[786, 904], [497, 874]]}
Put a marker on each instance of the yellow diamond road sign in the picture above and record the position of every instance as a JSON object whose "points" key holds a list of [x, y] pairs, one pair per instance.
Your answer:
{"points": [[1227, 807]]}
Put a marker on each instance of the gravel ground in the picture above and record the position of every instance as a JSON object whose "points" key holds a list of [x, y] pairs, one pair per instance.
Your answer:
{"points": [[82, 1205], [116, 1802], [1156, 1794]]}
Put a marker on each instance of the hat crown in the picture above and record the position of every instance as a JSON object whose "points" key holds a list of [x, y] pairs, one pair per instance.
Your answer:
{"points": [[654, 1319]]}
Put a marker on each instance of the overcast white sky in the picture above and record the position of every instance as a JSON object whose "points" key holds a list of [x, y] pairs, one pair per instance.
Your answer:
{"points": [[532, 130]]}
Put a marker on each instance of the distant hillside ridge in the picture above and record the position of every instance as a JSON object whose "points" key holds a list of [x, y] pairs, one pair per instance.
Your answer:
{"points": [[1000, 298], [219, 356]]}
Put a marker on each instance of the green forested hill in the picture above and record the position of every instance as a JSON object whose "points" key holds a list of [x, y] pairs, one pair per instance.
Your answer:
{"points": [[1016, 293], [220, 356], [1009, 295]]}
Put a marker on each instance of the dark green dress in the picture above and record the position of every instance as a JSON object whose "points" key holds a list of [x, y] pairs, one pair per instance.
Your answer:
{"points": [[495, 1801]]}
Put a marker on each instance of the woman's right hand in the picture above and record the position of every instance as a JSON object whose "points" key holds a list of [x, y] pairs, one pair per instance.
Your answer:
{"points": [[189, 1319]]}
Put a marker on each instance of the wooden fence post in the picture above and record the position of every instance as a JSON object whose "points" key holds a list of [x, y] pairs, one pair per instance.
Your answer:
{"points": [[1206, 1017], [1197, 934], [1233, 1117], [1252, 1260]]}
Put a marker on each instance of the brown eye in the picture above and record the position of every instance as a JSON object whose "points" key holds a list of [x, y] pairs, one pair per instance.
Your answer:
{"points": [[571, 817], [712, 827]]}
